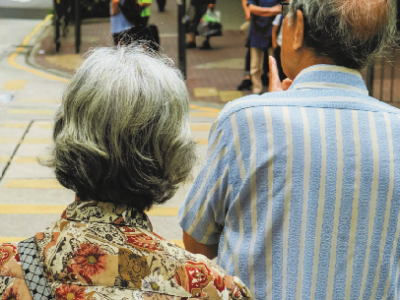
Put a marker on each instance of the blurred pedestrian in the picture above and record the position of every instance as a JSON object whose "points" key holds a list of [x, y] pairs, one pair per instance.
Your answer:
{"points": [[246, 84], [197, 10], [277, 43], [262, 13], [120, 22], [161, 5]]}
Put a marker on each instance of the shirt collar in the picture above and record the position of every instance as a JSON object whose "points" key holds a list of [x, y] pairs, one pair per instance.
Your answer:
{"points": [[330, 77], [106, 212]]}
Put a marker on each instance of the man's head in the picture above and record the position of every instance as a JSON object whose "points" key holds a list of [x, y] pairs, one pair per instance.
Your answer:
{"points": [[346, 33]]}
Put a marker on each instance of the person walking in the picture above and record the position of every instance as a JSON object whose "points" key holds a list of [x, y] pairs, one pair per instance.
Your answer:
{"points": [[246, 83], [299, 194], [196, 11], [262, 13]]}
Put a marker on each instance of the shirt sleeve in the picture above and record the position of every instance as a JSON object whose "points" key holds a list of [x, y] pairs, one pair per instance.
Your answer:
{"points": [[203, 213], [251, 2], [277, 20]]}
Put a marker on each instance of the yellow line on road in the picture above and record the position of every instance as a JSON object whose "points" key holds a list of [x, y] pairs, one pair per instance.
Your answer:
{"points": [[14, 85], [204, 114], [27, 159], [205, 108], [7, 239], [14, 125], [39, 100], [30, 112], [200, 126], [38, 141], [5, 140], [32, 184], [202, 141], [11, 59], [4, 159], [33, 209]]}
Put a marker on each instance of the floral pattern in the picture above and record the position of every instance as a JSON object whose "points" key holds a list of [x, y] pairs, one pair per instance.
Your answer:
{"points": [[100, 251]]}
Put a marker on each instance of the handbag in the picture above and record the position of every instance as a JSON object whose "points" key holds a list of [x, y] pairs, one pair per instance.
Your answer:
{"points": [[210, 24], [131, 10]]}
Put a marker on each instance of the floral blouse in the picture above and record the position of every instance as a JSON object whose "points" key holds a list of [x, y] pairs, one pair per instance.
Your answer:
{"points": [[100, 251]]}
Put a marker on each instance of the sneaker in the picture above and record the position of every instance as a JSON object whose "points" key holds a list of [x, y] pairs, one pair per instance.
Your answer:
{"points": [[245, 85], [206, 46], [161, 9], [191, 45]]}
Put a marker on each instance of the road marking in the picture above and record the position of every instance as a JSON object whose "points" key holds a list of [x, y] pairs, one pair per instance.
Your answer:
{"points": [[33, 184], [204, 114], [4, 140], [227, 96], [202, 141], [38, 141], [7, 239], [12, 57], [30, 112], [200, 126], [33, 209], [4, 159], [14, 125], [14, 85], [44, 125], [205, 92], [39, 100], [27, 159]]}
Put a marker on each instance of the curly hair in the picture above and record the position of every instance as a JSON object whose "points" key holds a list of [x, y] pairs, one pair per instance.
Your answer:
{"points": [[122, 130]]}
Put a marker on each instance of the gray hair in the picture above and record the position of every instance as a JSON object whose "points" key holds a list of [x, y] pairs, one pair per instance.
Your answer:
{"points": [[122, 131], [351, 32]]}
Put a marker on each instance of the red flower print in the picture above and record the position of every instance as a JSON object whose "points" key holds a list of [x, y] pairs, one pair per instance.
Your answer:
{"points": [[11, 294], [70, 292], [91, 259], [219, 284]]}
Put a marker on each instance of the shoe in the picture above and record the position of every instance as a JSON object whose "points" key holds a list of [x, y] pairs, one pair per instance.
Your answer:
{"points": [[206, 46], [161, 9], [191, 45], [245, 85]]}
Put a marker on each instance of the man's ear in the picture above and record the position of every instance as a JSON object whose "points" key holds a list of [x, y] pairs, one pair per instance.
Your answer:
{"points": [[298, 30]]}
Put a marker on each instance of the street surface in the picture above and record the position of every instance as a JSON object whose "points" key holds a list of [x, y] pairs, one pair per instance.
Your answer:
{"points": [[30, 197]]}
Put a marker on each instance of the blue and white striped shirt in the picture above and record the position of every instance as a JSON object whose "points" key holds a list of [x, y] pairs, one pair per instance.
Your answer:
{"points": [[301, 190]]}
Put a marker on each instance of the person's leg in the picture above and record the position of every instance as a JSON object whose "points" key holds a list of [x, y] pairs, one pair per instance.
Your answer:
{"points": [[199, 11], [265, 66], [256, 69], [145, 21], [246, 83], [206, 44], [161, 5], [277, 55]]}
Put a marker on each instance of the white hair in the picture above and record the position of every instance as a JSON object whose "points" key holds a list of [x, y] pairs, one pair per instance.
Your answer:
{"points": [[122, 131], [351, 32]]}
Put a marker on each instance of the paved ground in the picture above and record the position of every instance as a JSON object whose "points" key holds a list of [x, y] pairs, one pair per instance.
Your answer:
{"points": [[30, 197]]}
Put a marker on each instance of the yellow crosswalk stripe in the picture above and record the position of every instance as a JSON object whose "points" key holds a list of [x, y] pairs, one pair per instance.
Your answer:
{"points": [[30, 112], [28, 159], [204, 114], [15, 85], [205, 92], [205, 108], [40, 100], [14, 125], [4, 159], [6, 140], [7, 239], [38, 141], [200, 126], [33, 209], [202, 141], [32, 184]]}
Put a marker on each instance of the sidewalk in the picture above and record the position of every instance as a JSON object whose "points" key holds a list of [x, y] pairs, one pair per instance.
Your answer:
{"points": [[212, 75]]}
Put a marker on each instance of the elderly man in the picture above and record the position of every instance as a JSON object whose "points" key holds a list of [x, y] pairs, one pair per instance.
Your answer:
{"points": [[300, 193]]}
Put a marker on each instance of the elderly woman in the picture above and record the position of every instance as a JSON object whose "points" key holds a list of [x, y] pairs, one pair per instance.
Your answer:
{"points": [[123, 144]]}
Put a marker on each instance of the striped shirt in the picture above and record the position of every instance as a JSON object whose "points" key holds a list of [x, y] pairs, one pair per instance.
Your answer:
{"points": [[301, 190]]}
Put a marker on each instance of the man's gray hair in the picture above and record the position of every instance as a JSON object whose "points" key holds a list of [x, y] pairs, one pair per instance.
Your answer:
{"points": [[122, 131], [351, 32]]}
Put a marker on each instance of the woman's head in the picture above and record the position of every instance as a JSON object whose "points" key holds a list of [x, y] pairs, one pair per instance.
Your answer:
{"points": [[122, 131]]}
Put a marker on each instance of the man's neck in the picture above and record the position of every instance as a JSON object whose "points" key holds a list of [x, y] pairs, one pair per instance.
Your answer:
{"points": [[309, 59]]}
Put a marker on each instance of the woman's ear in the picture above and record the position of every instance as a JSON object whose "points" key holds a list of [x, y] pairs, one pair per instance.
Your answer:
{"points": [[298, 30]]}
